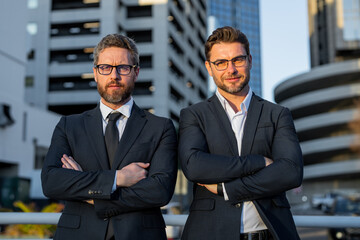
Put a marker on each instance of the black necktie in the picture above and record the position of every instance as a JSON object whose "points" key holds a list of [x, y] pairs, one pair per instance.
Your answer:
{"points": [[112, 136]]}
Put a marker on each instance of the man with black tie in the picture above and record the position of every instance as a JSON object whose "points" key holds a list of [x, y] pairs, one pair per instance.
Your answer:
{"points": [[240, 151], [115, 165]]}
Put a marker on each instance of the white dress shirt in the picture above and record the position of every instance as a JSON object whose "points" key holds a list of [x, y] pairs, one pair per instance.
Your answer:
{"points": [[125, 110], [250, 218]]}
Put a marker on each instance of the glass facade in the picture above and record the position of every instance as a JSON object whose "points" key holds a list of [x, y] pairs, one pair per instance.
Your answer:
{"points": [[244, 15], [351, 13]]}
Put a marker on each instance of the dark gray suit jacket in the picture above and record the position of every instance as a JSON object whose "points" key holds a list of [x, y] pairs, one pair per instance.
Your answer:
{"points": [[135, 210], [209, 154]]}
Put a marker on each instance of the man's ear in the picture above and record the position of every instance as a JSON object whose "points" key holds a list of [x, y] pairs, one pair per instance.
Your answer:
{"points": [[137, 70], [250, 61], [94, 71], [208, 67]]}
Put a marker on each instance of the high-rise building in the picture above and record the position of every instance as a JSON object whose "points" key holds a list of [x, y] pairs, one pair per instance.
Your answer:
{"points": [[170, 36], [244, 15], [25, 131], [323, 101]]}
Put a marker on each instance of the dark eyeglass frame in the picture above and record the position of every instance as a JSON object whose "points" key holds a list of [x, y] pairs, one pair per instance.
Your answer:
{"points": [[118, 68], [217, 62]]}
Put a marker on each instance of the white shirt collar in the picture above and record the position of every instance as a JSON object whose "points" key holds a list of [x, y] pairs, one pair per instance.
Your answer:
{"points": [[244, 106], [125, 109]]}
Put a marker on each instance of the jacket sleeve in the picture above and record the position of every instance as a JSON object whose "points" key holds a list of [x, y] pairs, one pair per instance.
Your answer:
{"points": [[285, 173], [199, 165], [66, 184], [154, 191]]}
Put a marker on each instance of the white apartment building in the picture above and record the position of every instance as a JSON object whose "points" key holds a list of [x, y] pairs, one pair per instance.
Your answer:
{"points": [[170, 36]]}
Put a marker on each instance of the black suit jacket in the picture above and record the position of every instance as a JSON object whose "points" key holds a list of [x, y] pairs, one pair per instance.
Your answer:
{"points": [[209, 154], [135, 211]]}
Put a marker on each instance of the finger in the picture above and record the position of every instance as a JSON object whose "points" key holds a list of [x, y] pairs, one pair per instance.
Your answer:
{"points": [[143, 165], [65, 163], [74, 164]]}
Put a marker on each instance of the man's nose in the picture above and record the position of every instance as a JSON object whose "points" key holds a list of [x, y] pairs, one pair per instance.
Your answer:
{"points": [[231, 67], [114, 74]]}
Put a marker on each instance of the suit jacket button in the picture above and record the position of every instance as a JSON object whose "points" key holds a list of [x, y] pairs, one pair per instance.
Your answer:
{"points": [[90, 192], [238, 205]]}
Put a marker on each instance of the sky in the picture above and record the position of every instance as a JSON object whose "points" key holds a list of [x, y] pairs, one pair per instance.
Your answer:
{"points": [[284, 42]]}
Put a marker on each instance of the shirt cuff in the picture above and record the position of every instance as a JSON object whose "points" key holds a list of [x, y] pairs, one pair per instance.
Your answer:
{"points": [[114, 185], [226, 197]]}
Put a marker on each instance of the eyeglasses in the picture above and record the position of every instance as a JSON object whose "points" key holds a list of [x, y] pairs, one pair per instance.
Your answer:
{"points": [[223, 64], [106, 69]]}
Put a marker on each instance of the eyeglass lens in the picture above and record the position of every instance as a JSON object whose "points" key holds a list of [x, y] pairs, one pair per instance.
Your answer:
{"points": [[106, 69], [223, 64]]}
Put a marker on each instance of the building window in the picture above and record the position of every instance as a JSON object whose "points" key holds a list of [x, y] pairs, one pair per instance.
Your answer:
{"points": [[31, 54], [32, 28], [84, 82], [201, 56], [175, 23], [174, 117], [174, 45], [40, 154], [175, 95], [32, 4], [176, 70], [202, 94], [71, 4], [146, 61], [29, 81], [70, 109], [79, 28], [202, 76], [178, 5], [143, 88], [75, 55], [140, 36], [139, 11]]}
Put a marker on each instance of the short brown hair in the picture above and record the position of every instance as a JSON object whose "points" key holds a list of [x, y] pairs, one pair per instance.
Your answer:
{"points": [[228, 35], [117, 40]]}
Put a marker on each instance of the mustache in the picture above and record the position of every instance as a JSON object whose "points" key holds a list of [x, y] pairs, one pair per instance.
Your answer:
{"points": [[234, 76], [114, 83]]}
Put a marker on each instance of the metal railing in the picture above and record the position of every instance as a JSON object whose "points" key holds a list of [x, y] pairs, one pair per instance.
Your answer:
{"points": [[179, 220]]}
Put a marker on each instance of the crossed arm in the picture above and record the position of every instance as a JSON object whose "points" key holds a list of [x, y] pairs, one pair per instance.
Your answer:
{"points": [[214, 187], [138, 185], [246, 177], [125, 177]]}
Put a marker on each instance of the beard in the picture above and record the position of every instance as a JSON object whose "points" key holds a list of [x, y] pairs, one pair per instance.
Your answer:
{"points": [[233, 87], [119, 96]]}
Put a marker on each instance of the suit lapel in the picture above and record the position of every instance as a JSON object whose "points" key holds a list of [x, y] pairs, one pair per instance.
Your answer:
{"points": [[132, 130], [94, 130], [224, 123], [251, 124]]}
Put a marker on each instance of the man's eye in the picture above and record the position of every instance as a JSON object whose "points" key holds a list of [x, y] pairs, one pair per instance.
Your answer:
{"points": [[220, 63], [105, 67], [239, 59]]}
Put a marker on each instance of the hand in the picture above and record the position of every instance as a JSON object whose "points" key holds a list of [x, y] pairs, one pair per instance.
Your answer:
{"points": [[131, 174], [268, 161], [70, 163], [211, 187], [91, 201]]}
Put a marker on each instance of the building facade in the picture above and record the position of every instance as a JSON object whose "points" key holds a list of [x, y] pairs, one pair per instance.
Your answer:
{"points": [[244, 15], [170, 36], [25, 131], [324, 101]]}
